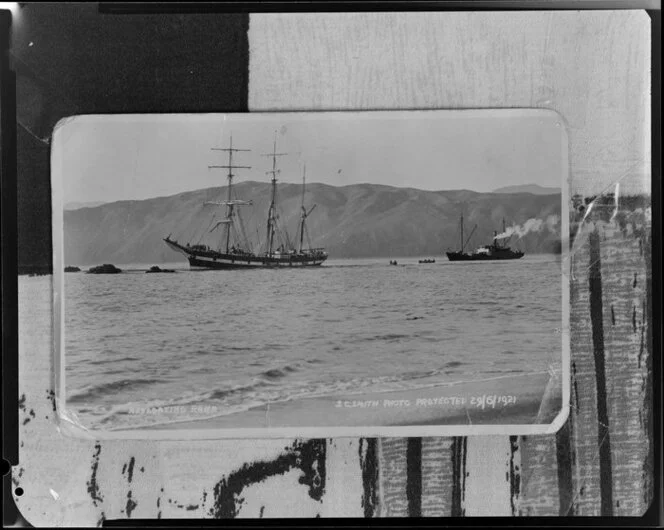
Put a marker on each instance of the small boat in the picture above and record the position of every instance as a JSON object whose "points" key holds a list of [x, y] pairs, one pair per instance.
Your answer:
{"points": [[427, 261]]}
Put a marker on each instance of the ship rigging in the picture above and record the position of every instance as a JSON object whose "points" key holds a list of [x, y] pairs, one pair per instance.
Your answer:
{"points": [[234, 250]]}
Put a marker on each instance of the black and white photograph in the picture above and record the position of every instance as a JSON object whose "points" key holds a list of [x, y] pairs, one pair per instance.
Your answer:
{"points": [[374, 262], [331, 273]]}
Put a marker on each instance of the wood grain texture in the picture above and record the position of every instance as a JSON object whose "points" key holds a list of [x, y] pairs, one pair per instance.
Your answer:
{"points": [[624, 271], [611, 256], [393, 463], [585, 478], [591, 67], [540, 488], [437, 477]]}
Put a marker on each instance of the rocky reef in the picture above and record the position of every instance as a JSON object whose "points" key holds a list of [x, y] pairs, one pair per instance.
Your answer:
{"points": [[155, 268], [106, 268]]}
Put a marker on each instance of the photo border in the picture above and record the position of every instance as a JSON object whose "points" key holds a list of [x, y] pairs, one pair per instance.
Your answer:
{"points": [[69, 426]]}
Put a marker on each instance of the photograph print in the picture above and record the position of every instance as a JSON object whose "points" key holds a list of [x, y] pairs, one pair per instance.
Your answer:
{"points": [[311, 274]]}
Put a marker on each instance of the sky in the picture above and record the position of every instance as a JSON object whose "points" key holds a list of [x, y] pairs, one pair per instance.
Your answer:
{"points": [[105, 158]]}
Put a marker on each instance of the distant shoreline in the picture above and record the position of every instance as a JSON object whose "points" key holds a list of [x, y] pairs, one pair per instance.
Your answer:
{"points": [[135, 266], [44, 270]]}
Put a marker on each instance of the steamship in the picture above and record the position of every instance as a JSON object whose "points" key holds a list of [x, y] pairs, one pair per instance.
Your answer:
{"points": [[498, 249]]}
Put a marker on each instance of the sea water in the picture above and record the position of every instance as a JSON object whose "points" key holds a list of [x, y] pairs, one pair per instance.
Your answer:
{"points": [[220, 342]]}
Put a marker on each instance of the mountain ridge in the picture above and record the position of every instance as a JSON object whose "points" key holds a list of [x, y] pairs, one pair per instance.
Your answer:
{"points": [[355, 220]]}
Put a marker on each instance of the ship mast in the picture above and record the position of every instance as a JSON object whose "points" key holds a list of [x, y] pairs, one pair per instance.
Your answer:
{"points": [[272, 212], [305, 213], [497, 241], [471, 235], [229, 202], [462, 245]]}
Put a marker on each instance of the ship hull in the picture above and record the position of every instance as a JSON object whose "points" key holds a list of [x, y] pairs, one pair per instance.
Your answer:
{"points": [[196, 262], [459, 256], [217, 260]]}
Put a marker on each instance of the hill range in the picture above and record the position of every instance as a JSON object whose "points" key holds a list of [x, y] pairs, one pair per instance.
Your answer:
{"points": [[359, 220]]}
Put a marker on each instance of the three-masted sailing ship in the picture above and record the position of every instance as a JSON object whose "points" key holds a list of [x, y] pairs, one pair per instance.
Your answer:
{"points": [[497, 250], [233, 250]]}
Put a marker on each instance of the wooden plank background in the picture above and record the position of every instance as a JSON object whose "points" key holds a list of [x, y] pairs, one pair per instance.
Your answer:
{"points": [[590, 67]]}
